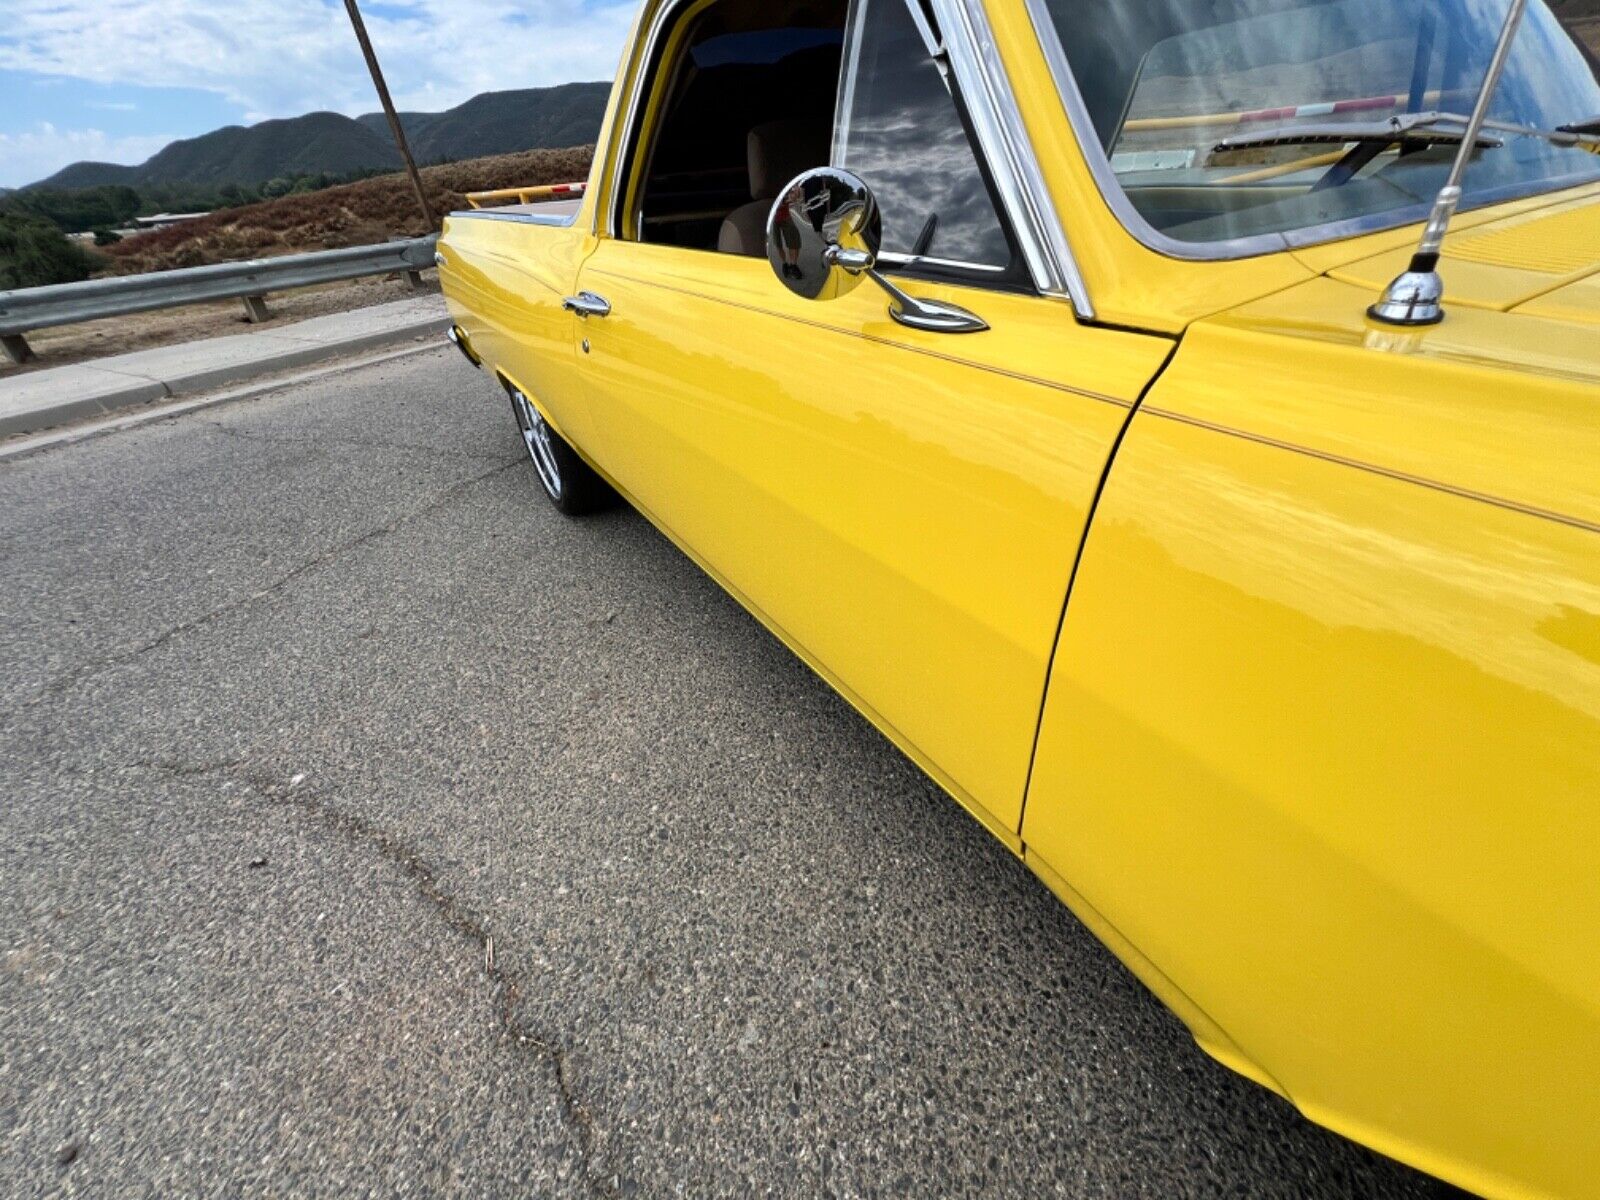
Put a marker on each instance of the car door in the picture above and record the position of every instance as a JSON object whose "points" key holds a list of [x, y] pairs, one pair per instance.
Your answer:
{"points": [[903, 507]]}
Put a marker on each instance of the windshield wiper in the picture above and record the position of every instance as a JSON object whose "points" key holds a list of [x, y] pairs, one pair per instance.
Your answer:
{"points": [[1416, 129]]}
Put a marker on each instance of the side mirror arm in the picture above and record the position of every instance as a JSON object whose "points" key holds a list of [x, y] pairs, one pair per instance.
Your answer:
{"points": [[840, 200]]}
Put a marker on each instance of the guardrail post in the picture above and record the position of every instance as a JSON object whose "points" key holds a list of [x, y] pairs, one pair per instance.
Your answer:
{"points": [[255, 309], [414, 278], [17, 348]]}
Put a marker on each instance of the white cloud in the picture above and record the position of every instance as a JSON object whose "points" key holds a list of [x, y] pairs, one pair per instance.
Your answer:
{"points": [[284, 57], [43, 150]]}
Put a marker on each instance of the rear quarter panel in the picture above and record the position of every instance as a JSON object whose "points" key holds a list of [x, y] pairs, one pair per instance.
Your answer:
{"points": [[1322, 741], [504, 280]]}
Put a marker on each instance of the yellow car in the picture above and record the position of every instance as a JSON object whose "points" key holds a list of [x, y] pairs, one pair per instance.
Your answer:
{"points": [[1064, 381]]}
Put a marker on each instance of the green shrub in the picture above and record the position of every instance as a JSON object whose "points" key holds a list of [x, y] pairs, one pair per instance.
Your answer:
{"points": [[76, 210], [34, 253], [106, 237]]}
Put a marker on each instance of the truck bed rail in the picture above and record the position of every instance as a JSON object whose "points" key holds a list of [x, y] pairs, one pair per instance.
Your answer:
{"points": [[526, 195]]}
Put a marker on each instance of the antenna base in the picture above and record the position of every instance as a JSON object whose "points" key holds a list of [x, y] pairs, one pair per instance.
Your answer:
{"points": [[1414, 298]]}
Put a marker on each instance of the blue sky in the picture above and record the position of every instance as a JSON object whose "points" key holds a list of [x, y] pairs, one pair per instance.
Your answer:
{"points": [[115, 80]]}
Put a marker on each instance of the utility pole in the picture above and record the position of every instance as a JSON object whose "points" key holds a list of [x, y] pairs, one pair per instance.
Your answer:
{"points": [[388, 111]]}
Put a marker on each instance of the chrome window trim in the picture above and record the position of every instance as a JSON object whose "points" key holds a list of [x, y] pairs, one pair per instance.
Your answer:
{"points": [[923, 260], [848, 72], [992, 106], [1133, 221], [617, 183], [1003, 141], [933, 41]]}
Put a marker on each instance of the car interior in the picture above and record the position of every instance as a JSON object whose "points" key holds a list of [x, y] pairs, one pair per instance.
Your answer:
{"points": [[749, 105]]}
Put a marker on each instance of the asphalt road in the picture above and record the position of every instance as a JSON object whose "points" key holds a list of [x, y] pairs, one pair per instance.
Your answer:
{"points": [[369, 829]]}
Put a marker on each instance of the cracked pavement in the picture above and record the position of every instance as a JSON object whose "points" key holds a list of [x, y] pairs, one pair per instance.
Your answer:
{"points": [[369, 829]]}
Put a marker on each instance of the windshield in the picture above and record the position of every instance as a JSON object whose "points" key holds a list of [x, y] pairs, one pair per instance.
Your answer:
{"points": [[1165, 82]]}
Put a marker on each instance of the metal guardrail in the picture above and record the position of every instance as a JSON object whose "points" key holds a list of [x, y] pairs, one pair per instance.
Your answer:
{"points": [[27, 309]]}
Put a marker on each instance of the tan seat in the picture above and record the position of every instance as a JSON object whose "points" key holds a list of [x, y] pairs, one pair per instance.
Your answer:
{"points": [[777, 152]]}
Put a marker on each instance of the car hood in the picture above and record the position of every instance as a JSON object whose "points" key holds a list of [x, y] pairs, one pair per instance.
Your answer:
{"points": [[1500, 399], [1543, 261]]}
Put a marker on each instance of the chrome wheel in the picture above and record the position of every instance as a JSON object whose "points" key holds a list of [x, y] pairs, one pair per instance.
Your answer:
{"points": [[536, 436]]}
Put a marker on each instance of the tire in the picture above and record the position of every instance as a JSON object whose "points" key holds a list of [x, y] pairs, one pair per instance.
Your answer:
{"points": [[571, 484]]}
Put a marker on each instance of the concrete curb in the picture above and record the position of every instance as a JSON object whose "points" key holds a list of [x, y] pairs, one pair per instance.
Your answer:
{"points": [[166, 410], [42, 400]]}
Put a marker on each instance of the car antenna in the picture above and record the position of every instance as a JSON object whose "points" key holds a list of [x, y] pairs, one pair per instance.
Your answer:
{"points": [[1414, 298]]}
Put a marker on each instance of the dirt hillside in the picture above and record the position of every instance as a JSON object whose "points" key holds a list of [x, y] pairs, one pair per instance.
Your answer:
{"points": [[355, 214]]}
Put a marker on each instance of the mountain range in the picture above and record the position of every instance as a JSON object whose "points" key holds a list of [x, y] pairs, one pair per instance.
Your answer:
{"points": [[491, 123]]}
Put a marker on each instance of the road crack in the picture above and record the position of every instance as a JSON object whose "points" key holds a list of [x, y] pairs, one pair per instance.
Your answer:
{"points": [[458, 917]]}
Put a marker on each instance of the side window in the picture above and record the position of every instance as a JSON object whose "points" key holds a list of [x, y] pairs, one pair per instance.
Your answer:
{"points": [[899, 129], [745, 104]]}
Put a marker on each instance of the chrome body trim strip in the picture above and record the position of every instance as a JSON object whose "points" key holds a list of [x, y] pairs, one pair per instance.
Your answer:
{"points": [[1232, 248], [1003, 141], [488, 214]]}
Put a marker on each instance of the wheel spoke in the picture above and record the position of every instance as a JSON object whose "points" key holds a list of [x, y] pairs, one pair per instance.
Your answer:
{"points": [[536, 437]]}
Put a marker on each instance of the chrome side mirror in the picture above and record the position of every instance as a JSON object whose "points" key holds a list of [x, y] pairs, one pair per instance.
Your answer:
{"points": [[822, 221], [823, 236]]}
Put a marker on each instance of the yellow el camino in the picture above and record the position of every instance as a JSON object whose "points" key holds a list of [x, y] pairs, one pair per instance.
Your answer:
{"points": [[1073, 384]]}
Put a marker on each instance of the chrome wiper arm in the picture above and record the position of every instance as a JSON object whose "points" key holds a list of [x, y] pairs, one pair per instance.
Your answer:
{"points": [[1580, 135], [1417, 129]]}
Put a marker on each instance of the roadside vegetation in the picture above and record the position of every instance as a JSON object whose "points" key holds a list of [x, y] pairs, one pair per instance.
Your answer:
{"points": [[114, 205], [34, 252]]}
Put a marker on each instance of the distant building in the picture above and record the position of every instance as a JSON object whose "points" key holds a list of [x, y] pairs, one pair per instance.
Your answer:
{"points": [[165, 220]]}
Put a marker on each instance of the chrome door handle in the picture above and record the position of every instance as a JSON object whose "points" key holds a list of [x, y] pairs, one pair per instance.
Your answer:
{"points": [[587, 304]]}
